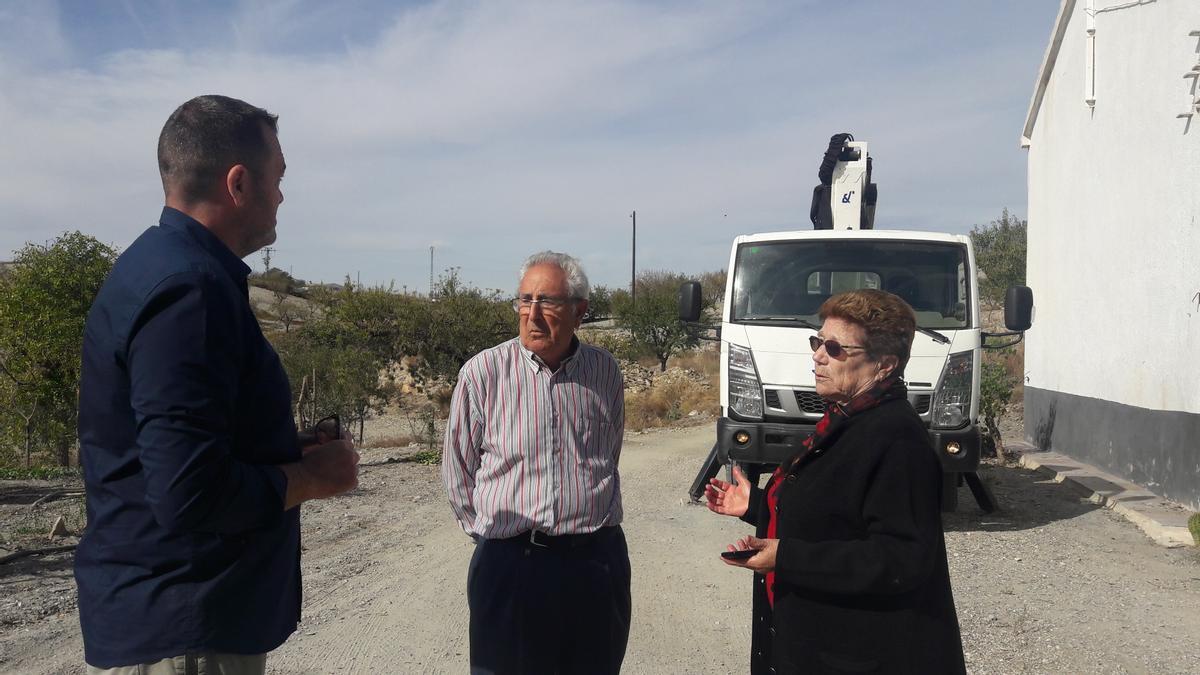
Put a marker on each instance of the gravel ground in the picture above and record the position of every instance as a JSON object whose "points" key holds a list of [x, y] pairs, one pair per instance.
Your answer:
{"points": [[1052, 583], [1048, 584]]}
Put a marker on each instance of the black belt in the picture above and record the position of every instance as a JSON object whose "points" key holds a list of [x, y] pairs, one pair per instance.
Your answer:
{"points": [[539, 539]]}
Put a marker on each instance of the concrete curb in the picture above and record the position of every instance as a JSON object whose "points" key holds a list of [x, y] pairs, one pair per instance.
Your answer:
{"points": [[1163, 521]]}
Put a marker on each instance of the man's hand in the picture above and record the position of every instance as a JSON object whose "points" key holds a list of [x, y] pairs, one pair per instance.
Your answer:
{"points": [[317, 436], [325, 470]]}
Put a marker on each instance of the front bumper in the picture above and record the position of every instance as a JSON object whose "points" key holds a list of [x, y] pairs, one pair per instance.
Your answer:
{"points": [[766, 442], [967, 440], [772, 443]]}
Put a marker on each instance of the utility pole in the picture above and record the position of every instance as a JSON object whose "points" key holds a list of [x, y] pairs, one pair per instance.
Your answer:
{"points": [[267, 258], [633, 262], [430, 271]]}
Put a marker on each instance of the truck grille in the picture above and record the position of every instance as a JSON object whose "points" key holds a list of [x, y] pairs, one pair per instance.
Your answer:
{"points": [[804, 404], [920, 403], [810, 402]]}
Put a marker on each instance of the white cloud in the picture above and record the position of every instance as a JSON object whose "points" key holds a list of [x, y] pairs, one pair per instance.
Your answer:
{"points": [[30, 34], [495, 129]]}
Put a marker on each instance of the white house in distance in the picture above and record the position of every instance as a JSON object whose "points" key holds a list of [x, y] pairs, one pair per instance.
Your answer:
{"points": [[1113, 135]]}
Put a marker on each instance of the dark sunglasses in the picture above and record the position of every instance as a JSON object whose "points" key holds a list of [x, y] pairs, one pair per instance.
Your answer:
{"points": [[832, 347]]}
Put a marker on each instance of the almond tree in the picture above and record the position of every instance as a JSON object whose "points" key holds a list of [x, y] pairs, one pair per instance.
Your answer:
{"points": [[653, 320], [1000, 252], [45, 295]]}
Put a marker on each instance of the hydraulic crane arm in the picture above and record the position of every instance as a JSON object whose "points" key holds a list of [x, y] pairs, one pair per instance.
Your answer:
{"points": [[845, 199]]}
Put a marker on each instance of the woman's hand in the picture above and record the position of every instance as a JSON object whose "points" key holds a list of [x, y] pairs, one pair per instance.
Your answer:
{"points": [[729, 499], [763, 561]]}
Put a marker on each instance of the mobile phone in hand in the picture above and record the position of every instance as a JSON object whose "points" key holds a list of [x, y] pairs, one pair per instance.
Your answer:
{"points": [[739, 555]]}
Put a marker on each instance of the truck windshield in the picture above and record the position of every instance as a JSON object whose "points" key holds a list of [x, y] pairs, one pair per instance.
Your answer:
{"points": [[788, 280]]}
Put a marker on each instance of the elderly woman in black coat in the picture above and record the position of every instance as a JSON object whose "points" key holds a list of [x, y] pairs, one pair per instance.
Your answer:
{"points": [[850, 563]]}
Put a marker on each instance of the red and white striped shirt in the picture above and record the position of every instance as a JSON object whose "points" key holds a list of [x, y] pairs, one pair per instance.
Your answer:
{"points": [[530, 449]]}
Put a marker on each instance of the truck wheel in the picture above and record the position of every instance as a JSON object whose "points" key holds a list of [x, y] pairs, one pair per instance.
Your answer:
{"points": [[950, 481]]}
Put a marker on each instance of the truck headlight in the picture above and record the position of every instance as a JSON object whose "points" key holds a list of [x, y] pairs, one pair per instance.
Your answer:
{"points": [[745, 389], [952, 402]]}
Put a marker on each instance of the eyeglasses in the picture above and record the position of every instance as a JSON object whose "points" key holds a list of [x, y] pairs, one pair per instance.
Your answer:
{"points": [[549, 303], [832, 347], [331, 426]]}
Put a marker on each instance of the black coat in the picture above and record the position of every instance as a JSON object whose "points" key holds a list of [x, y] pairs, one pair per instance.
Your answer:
{"points": [[861, 581]]}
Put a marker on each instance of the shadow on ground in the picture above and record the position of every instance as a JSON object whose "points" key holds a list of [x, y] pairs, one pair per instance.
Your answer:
{"points": [[1025, 499], [49, 568]]}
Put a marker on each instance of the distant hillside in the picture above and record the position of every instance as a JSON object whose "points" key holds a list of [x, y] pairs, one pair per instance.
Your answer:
{"points": [[274, 315]]}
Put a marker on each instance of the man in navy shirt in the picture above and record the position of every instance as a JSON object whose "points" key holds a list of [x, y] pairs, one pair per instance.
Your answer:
{"points": [[192, 461]]}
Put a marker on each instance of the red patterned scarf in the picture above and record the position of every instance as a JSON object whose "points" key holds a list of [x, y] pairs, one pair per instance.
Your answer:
{"points": [[836, 416]]}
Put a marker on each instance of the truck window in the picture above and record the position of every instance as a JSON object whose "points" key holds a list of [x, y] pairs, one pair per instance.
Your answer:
{"points": [[792, 278]]}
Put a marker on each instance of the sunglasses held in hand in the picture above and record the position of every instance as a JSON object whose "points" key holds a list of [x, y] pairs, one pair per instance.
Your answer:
{"points": [[328, 429]]}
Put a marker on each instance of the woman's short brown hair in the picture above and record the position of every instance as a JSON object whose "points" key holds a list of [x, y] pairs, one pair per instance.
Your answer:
{"points": [[887, 320]]}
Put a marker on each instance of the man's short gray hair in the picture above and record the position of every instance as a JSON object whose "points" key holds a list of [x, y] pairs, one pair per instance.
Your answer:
{"points": [[577, 281]]}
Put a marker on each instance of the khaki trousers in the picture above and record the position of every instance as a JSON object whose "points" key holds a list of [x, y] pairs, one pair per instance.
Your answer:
{"points": [[206, 663]]}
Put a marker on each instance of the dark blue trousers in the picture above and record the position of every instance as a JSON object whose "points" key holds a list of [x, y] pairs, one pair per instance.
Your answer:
{"points": [[558, 609]]}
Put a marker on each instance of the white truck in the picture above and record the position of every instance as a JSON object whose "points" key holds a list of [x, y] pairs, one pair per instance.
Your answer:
{"points": [[775, 286]]}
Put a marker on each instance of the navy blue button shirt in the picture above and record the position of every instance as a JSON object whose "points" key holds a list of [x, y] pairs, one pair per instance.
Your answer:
{"points": [[184, 409]]}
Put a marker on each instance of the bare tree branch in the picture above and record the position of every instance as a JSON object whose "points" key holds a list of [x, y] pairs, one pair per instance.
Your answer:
{"points": [[36, 551]]}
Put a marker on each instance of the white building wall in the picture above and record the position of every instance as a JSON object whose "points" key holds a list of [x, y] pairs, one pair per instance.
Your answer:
{"points": [[1114, 193]]}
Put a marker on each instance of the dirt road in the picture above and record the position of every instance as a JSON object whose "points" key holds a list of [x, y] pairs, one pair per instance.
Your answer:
{"points": [[1052, 584], [403, 610]]}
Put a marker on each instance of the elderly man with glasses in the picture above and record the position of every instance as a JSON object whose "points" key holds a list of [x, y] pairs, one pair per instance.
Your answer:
{"points": [[530, 465]]}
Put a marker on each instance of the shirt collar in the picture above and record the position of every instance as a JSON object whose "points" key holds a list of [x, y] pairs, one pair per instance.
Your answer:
{"points": [[536, 363], [173, 219]]}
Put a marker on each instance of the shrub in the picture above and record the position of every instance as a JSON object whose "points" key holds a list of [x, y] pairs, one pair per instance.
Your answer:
{"points": [[424, 429], [1000, 252], [45, 294], [996, 386], [669, 400], [600, 303], [616, 342], [458, 323], [441, 398], [706, 362], [652, 321], [426, 457], [1194, 527]]}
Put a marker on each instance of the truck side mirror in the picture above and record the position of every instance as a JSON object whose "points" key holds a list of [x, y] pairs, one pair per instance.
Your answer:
{"points": [[689, 301], [1018, 308]]}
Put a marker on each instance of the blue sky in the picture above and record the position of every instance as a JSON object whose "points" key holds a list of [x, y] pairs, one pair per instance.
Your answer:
{"points": [[490, 130]]}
